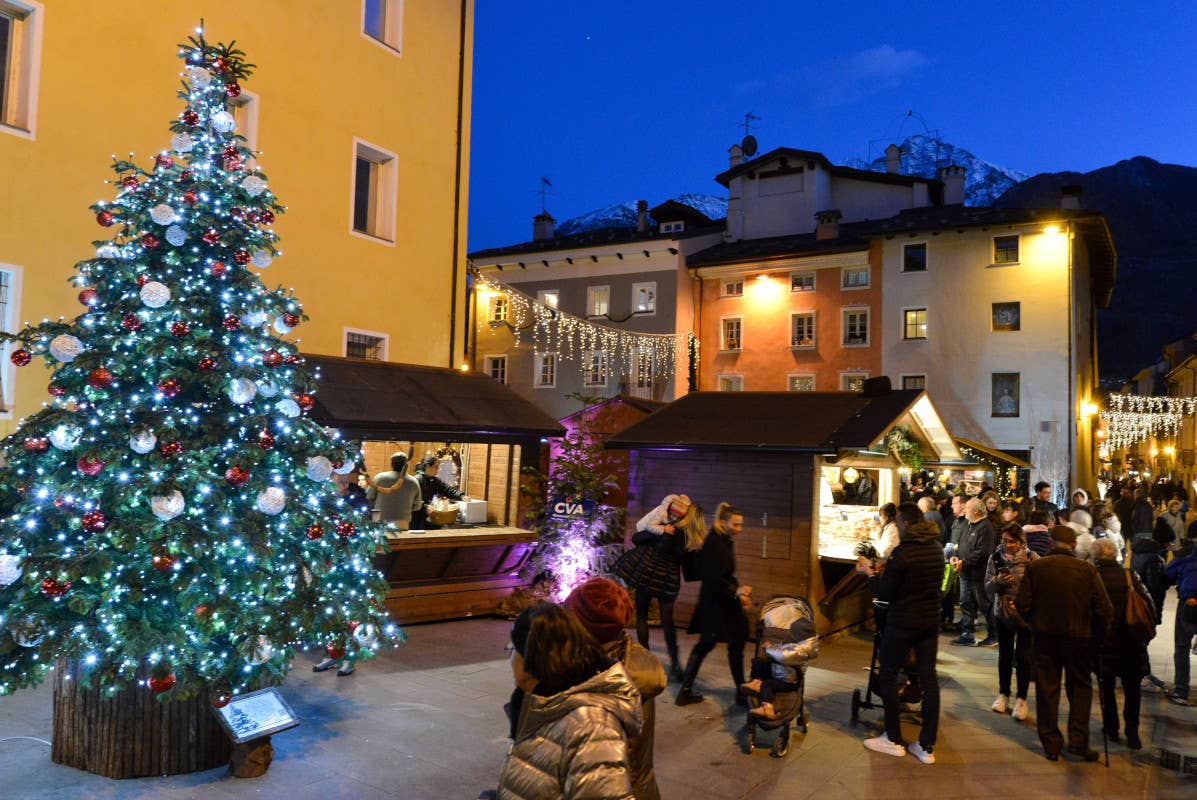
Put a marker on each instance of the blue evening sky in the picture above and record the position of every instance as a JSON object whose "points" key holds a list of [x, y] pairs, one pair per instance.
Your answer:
{"points": [[620, 100]]}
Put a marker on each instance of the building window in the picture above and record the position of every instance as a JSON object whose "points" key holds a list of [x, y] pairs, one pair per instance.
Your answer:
{"points": [[382, 21], [855, 277], [800, 383], [729, 334], [731, 383], [7, 370], [375, 183], [1007, 317], [914, 382], [644, 371], [496, 367], [548, 297], [802, 329], [365, 344], [244, 108], [856, 327], [1004, 394], [20, 59], [598, 301], [672, 227], [1005, 249], [546, 371], [733, 288], [914, 257], [596, 369], [499, 308], [914, 323], [802, 281], [644, 298], [853, 381]]}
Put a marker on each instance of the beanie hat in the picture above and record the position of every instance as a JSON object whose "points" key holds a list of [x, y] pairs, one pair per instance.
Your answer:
{"points": [[603, 607], [1063, 534]]}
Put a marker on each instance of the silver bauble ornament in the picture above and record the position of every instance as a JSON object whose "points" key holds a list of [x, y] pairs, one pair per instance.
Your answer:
{"points": [[254, 318], [65, 347], [142, 441], [262, 653], [10, 569], [28, 631], [223, 122], [198, 76], [182, 143], [349, 466], [271, 500], [163, 214], [176, 235], [266, 388], [281, 327], [108, 251], [253, 185], [64, 437], [319, 468], [261, 258], [154, 294], [166, 507], [242, 391], [366, 634], [288, 408]]}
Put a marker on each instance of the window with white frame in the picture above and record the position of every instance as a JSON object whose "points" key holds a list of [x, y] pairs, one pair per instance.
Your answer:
{"points": [[729, 333], [802, 329], [545, 376], [20, 59], [914, 257], [672, 227], [7, 303], [1005, 249], [498, 308], [643, 376], [382, 21], [914, 323], [366, 344], [914, 382], [375, 184], [496, 367], [595, 373], [244, 108], [800, 383], [856, 327], [644, 298], [855, 277], [731, 383], [598, 301], [853, 381], [732, 287], [802, 281], [548, 297]]}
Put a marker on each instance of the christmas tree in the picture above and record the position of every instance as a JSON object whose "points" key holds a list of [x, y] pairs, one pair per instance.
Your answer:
{"points": [[168, 513]]}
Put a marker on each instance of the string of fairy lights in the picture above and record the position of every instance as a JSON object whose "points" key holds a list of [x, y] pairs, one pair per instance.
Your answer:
{"points": [[1136, 418]]}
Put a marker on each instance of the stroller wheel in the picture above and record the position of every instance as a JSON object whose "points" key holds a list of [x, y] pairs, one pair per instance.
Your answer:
{"points": [[855, 705], [781, 745], [750, 739]]}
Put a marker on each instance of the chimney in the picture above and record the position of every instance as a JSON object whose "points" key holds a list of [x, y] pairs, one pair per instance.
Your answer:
{"points": [[735, 156], [829, 224], [1070, 197], [542, 226], [642, 216], [953, 184], [893, 159]]}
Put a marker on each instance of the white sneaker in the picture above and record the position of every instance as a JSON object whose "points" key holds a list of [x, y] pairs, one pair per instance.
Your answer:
{"points": [[1020, 709], [1001, 704], [916, 750], [882, 744]]}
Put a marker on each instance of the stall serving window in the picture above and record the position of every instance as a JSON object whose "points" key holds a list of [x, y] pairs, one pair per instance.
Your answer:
{"points": [[848, 500]]}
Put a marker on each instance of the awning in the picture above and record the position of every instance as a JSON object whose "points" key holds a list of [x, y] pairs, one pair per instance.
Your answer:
{"points": [[994, 453]]}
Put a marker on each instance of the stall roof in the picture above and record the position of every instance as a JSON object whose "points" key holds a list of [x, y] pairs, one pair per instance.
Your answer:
{"points": [[372, 399], [816, 422], [993, 452]]}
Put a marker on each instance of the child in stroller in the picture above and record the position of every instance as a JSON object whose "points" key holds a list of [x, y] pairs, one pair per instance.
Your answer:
{"points": [[785, 643]]}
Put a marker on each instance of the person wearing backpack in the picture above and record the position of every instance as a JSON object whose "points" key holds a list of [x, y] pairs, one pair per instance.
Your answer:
{"points": [[1124, 651]]}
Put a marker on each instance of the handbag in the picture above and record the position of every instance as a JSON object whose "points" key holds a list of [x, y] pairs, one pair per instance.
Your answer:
{"points": [[1008, 613], [1140, 622]]}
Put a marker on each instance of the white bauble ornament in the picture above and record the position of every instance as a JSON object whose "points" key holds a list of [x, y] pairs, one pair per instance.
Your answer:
{"points": [[267, 388], [349, 466], [142, 441], [253, 185], [271, 500], [223, 122], [176, 235], [281, 327], [254, 318], [366, 634], [108, 251], [28, 631], [262, 652], [182, 143], [198, 76], [163, 214], [155, 294], [319, 468], [10, 569], [261, 258], [242, 391], [168, 506], [65, 437], [288, 408], [65, 347]]}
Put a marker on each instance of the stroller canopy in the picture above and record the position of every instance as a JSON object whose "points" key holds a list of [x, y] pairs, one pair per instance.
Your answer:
{"points": [[789, 624]]}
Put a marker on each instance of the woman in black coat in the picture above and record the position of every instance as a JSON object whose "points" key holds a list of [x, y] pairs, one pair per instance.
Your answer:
{"points": [[719, 615], [1123, 656]]}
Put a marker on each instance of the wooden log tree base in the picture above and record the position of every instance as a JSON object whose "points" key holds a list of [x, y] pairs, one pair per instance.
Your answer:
{"points": [[251, 759], [131, 734]]}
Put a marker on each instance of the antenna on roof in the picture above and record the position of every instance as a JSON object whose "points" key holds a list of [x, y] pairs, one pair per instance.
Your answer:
{"points": [[748, 143], [879, 145], [543, 191]]}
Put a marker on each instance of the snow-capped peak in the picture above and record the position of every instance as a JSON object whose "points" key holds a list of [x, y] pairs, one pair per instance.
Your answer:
{"points": [[623, 215]]}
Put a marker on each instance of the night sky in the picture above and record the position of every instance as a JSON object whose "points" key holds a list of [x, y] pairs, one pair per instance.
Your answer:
{"points": [[620, 100]]}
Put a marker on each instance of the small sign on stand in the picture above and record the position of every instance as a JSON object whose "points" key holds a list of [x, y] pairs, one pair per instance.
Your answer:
{"points": [[570, 508], [250, 720]]}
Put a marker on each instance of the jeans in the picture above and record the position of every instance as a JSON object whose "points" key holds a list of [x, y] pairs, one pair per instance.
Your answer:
{"points": [[642, 601], [1014, 649], [895, 644], [1074, 657], [973, 599], [1182, 640]]}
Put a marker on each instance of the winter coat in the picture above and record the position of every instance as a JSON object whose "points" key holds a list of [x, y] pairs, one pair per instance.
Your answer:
{"points": [[397, 506], [1062, 596], [1124, 510], [1039, 539], [955, 534], [1046, 506], [1015, 563], [648, 677], [654, 564], [573, 745], [1147, 561], [1176, 523], [430, 487], [1142, 516], [1082, 522], [936, 519], [911, 579], [1113, 533], [656, 520], [1084, 504], [979, 541], [1120, 646], [719, 612], [888, 540], [1182, 572]]}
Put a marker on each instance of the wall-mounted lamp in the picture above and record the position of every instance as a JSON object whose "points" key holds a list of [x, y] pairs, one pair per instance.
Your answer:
{"points": [[1052, 229], [1088, 408]]}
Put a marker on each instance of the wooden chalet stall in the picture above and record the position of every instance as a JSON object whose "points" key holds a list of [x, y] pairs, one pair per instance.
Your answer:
{"points": [[808, 469], [459, 570]]}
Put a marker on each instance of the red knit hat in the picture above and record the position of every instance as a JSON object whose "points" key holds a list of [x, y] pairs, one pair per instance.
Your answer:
{"points": [[603, 607]]}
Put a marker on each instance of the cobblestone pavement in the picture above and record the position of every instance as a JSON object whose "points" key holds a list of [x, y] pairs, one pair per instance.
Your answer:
{"points": [[424, 721]]}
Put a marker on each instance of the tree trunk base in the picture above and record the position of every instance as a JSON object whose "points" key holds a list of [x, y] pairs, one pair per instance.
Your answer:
{"points": [[251, 759], [131, 734]]}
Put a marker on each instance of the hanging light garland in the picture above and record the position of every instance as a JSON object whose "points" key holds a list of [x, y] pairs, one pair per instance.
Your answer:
{"points": [[574, 338], [1135, 418]]}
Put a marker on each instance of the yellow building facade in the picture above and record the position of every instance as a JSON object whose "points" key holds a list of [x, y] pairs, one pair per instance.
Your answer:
{"points": [[361, 111]]}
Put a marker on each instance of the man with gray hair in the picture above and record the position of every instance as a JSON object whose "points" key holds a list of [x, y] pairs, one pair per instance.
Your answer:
{"points": [[976, 545]]}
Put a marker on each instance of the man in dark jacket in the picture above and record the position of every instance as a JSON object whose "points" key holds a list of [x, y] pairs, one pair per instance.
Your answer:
{"points": [[1123, 507], [1142, 514], [950, 542], [1043, 499], [909, 583], [977, 545], [1182, 571], [1069, 612]]}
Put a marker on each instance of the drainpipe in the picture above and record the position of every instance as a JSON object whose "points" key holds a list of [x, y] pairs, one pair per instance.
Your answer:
{"points": [[461, 56]]}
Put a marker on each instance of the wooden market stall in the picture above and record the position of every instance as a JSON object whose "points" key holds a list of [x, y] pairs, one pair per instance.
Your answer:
{"points": [[808, 469], [462, 569]]}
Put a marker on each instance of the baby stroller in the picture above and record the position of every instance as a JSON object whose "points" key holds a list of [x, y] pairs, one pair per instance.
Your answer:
{"points": [[785, 634], [911, 693]]}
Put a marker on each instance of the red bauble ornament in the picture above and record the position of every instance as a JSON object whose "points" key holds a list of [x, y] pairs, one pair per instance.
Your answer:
{"points": [[149, 241], [221, 699], [353, 625], [211, 237], [164, 161], [219, 65], [130, 182], [267, 217], [93, 521], [206, 363], [230, 323], [186, 175], [241, 257], [165, 683], [200, 612], [236, 475], [254, 217], [291, 319], [314, 532], [142, 279], [163, 562], [131, 322], [230, 151], [89, 466], [100, 378], [170, 387], [237, 213], [106, 219], [180, 328], [232, 90], [305, 401], [190, 197], [346, 529], [170, 449], [265, 440], [89, 297], [36, 444], [272, 358], [232, 164], [55, 390], [21, 357], [218, 269], [53, 588], [292, 358], [335, 651], [190, 117]]}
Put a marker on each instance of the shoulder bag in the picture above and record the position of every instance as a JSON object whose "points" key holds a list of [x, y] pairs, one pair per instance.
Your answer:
{"points": [[1140, 622]]}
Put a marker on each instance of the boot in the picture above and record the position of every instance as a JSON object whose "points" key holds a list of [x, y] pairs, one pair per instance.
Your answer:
{"points": [[686, 694], [675, 668]]}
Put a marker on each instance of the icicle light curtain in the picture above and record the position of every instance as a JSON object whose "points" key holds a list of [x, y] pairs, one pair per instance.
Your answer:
{"points": [[1135, 418]]}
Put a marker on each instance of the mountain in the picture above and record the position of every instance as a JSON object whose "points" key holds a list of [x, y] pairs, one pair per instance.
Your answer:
{"points": [[1152, 212], [623, 215], [924, 155]]}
